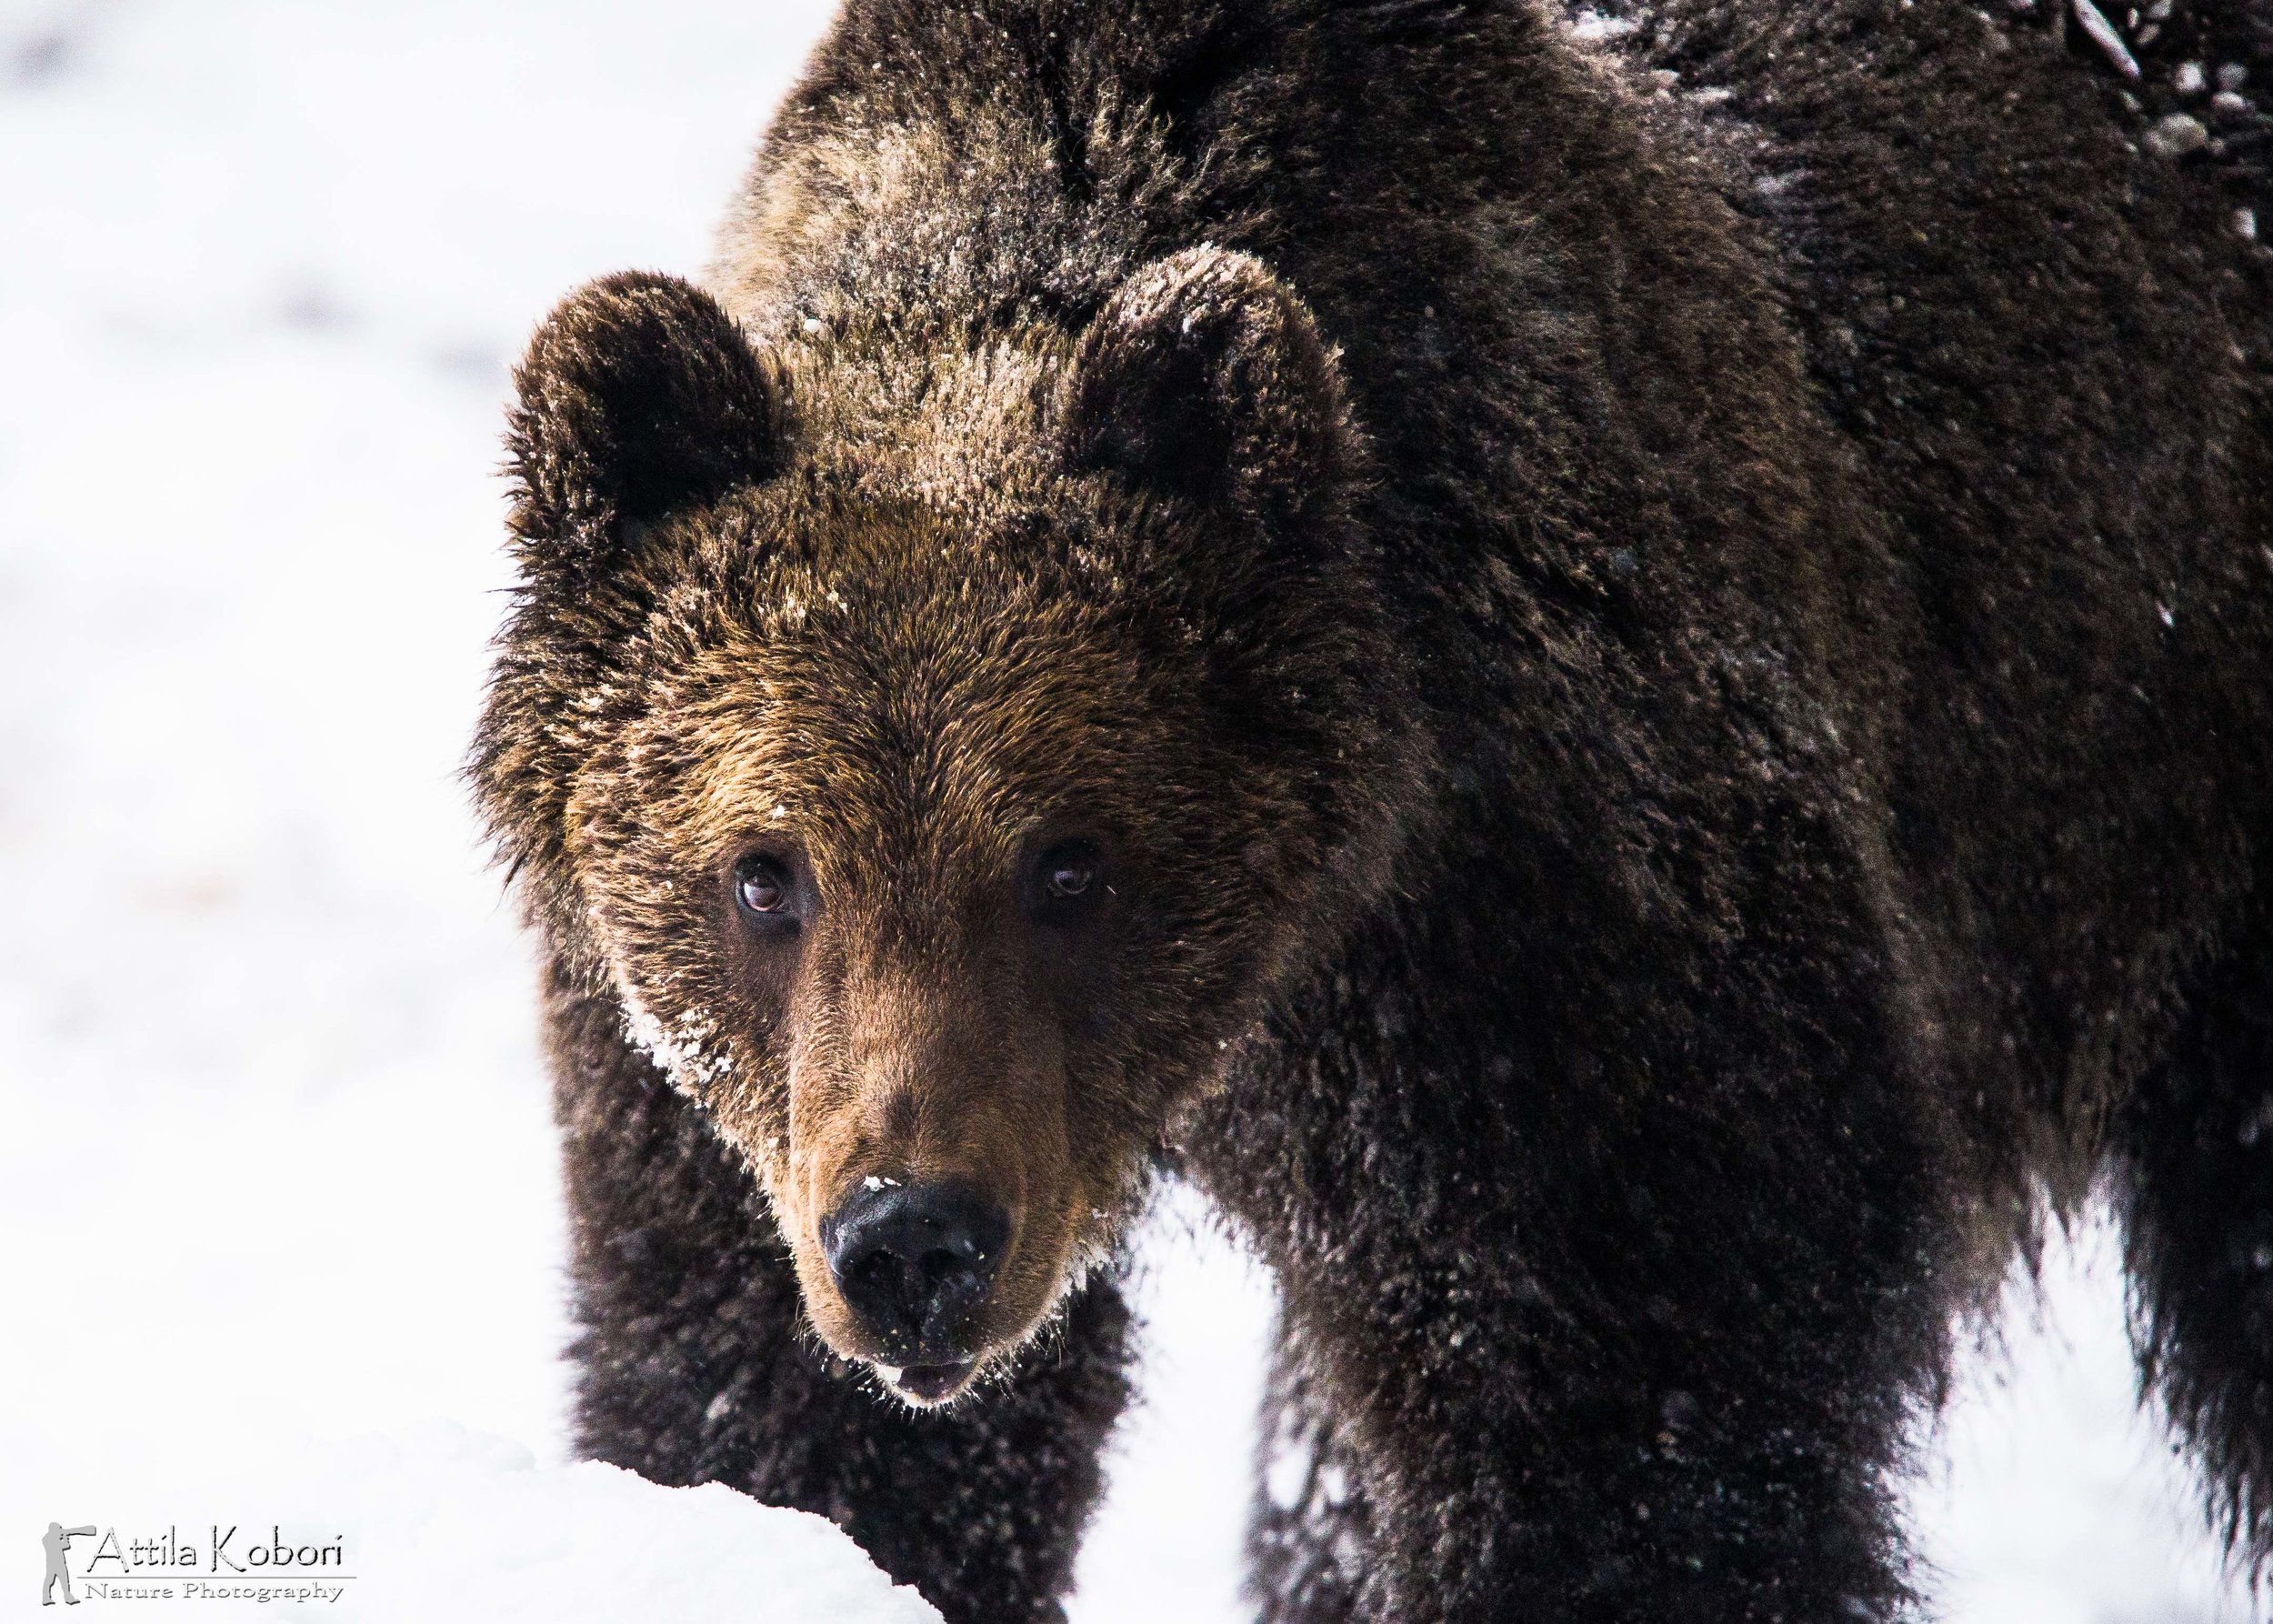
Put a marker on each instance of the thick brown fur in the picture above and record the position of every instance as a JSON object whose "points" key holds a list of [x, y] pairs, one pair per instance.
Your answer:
{"points": [[1663, 653]]}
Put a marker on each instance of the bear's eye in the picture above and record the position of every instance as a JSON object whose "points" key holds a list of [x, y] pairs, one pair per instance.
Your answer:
{"points": [[1067, 881], [763, 890]]}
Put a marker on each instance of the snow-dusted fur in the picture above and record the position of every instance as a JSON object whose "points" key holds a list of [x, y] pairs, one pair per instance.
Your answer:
{"points": [[1708, 751]]}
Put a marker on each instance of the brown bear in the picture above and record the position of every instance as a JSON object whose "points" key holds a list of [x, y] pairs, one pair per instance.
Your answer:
{"points": [[1622, 693]]}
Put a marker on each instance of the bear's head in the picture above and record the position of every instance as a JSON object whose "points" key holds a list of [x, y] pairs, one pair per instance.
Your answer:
{"points": [[941, 757]]}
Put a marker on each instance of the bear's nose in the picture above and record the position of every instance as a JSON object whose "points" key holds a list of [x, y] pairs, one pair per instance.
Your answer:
{"points": [[913, 1260]]}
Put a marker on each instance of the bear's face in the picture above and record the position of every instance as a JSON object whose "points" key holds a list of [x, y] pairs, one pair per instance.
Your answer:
{"points": [[942, 838]]}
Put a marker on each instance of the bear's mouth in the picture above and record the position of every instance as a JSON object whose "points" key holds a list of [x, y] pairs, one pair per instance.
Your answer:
{"points": [[928, 1384]]}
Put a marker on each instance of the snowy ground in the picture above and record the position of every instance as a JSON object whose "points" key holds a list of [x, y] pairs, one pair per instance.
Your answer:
{"points": [[276, 1172]]}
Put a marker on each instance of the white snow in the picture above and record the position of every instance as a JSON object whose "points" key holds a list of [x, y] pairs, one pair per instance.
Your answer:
{"points": [[443, 1526], [1594, 27], [474, 1532], [276, 1170], [2107, 36]]}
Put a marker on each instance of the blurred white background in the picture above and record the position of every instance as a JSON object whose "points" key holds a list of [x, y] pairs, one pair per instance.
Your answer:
{"points": [[275, 1165]]}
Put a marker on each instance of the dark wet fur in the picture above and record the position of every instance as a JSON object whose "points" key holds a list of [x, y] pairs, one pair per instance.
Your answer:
{"points": [[1826, 536]]}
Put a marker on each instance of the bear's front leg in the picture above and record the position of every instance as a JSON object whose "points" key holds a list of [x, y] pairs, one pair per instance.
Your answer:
{"points": [[696, 1365], [1582, 1330]]}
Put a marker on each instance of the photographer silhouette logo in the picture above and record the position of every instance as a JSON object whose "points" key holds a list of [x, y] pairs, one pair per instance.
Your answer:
{"points": [[56, 1543]]}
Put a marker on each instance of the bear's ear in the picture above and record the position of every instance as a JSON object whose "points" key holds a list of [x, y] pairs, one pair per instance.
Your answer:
{"points": [[1205, 375], [639, 397]]}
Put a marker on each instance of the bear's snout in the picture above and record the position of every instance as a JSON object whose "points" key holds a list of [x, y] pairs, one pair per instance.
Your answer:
{"points": [[914, 1263]]}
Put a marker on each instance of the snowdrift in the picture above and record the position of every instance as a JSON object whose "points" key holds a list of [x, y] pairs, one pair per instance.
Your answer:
{"points": [[443, 1526]]}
